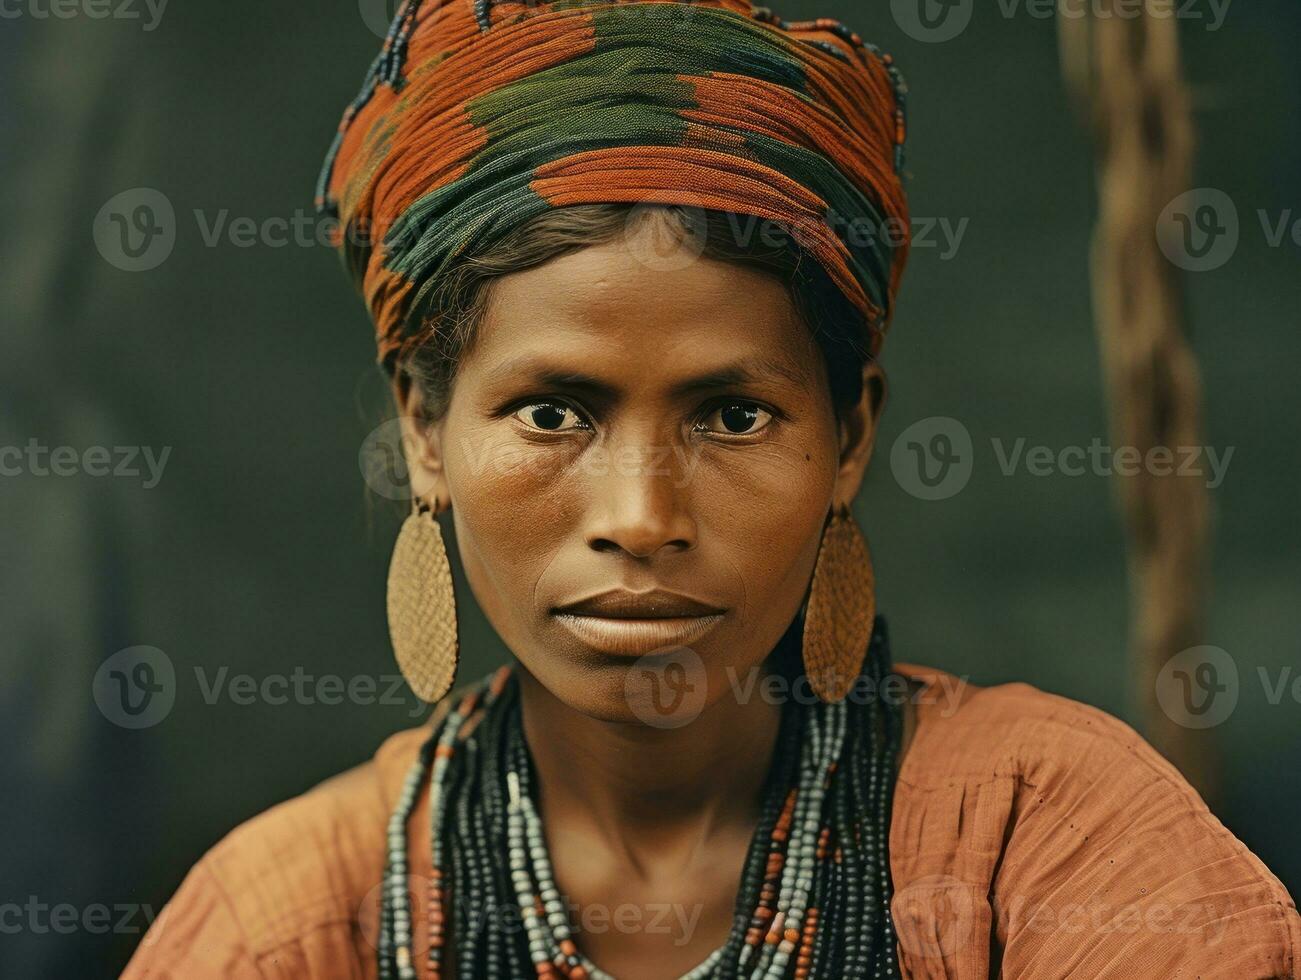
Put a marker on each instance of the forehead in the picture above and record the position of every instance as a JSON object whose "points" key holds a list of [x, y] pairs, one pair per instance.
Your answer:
{"points": [[622, 307]]}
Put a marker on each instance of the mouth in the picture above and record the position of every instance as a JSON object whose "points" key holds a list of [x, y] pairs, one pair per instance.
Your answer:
{"points": [[626, 623], [636, 637]]}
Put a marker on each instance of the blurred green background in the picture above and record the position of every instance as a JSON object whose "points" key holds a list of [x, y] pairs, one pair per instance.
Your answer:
{"points": [[261, 551]]}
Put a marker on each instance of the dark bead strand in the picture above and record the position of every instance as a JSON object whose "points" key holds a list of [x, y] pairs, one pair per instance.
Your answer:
{"points": [[842, 953], [871, 834], [387, 67], [847, 950], [482, 850], [482, 956], [507, 929], [890, 767], [445, 780], [863, 779], [828, 47], [515, 759], [879, 778], [453, 884], [871, 831], [830, 924], [404, 22], [507, 946], [471, 887], [825, 956], [860, 829], [864, 830], [478, 864], [485, 850], [842, 32], [460, 898], [897, 81], [501, 925], [465, 889]]}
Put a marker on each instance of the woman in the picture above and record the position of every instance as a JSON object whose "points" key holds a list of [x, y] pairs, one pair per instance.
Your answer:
{"points": [[630, 267]]}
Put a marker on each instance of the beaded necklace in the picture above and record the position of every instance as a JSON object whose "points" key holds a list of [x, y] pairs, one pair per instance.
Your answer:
{"points": [[815, 890]]}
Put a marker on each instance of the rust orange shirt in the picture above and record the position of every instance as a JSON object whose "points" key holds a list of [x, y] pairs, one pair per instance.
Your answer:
{"points": [[1031, 837]]}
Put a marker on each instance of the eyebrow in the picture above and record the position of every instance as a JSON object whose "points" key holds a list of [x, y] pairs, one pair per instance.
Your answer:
{"points": [[751, 370]]}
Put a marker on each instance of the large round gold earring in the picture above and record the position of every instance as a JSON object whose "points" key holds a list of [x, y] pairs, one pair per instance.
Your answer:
{"points": [[841, 608], [422, 606]]}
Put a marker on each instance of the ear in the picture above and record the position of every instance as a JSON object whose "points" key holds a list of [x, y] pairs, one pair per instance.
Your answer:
{"points": [[858, 433], [421, 444]]}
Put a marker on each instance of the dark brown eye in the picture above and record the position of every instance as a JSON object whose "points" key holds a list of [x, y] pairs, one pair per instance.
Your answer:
{"points": [[736, 419], [550, 417]]}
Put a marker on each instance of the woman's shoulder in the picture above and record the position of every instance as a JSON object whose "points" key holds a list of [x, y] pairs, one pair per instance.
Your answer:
{"points": [[1059, 837], [285, 892], [961, 728]]}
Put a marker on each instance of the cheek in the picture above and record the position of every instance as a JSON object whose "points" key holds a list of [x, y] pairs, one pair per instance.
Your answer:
{"points": [[510, 510], [764, 508]]}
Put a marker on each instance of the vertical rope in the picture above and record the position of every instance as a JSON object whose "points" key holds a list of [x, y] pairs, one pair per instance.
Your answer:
{"points": [[1127, 76]]}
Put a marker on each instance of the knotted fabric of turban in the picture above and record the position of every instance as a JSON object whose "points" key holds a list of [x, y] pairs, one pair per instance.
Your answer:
{"points": [[478, 115]]}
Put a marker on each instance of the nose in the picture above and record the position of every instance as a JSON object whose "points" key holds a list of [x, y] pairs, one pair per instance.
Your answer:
{"points": [[640, 503]]}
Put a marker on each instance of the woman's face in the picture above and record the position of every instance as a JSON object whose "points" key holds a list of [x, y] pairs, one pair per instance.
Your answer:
{"points": [[620, 428]]}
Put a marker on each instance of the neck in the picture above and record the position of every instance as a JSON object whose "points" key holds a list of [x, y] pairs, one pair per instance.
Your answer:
{"points": [[637, 787]]}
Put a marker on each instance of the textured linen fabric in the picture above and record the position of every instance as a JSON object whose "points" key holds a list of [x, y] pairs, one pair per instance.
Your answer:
{"points": [[1031, 836]]}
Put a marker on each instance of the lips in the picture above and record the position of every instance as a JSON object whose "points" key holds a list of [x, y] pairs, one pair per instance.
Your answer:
{"points": [[652, 604], [627, 623]]}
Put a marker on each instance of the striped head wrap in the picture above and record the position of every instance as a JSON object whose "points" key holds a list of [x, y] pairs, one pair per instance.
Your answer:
{"points": [[478, 115]]}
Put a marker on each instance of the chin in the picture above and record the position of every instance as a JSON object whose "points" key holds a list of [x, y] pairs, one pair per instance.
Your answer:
{"points": [[664, 690]]}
